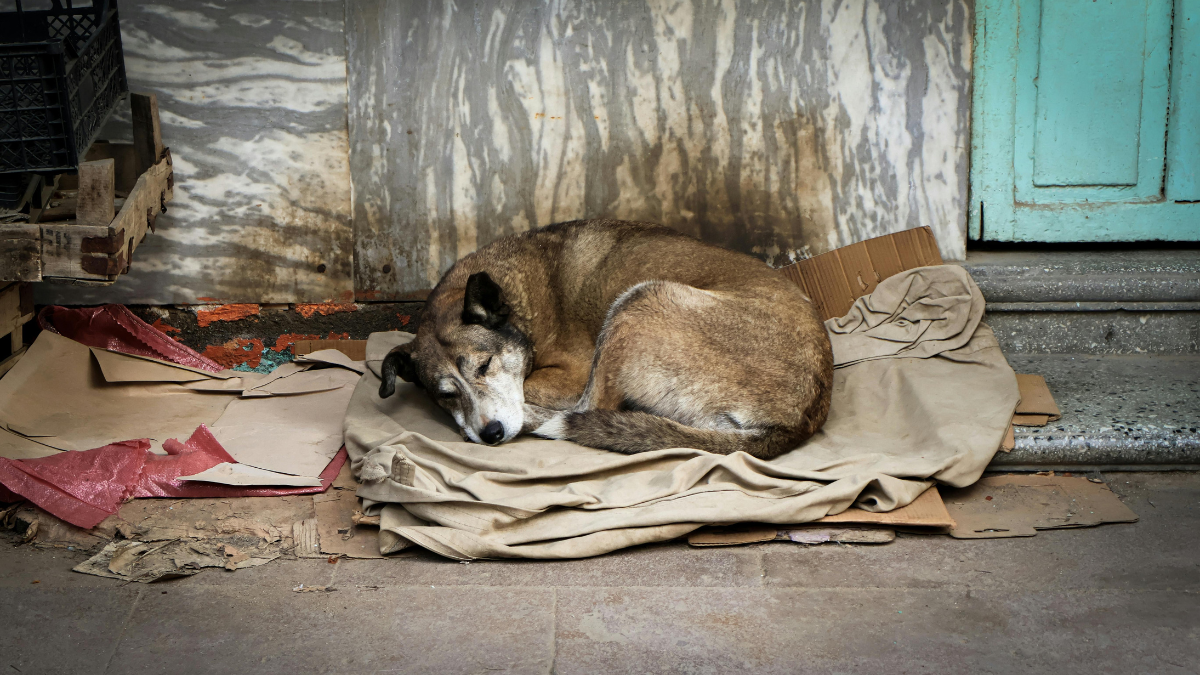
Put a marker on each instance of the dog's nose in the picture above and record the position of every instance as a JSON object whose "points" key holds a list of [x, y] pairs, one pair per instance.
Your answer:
{"points": [[492, 433]]}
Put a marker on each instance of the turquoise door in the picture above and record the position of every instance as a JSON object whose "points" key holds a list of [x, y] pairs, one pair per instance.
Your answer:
{"points": [[1086, 121]]}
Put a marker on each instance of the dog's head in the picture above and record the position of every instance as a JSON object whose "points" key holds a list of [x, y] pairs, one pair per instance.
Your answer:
{"points": [[470, 359]]}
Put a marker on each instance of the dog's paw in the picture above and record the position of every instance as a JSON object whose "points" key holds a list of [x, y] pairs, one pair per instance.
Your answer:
{"points": [[543, 422]]}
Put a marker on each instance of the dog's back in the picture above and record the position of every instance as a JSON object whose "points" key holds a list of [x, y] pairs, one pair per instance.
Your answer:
{"points": [[651, 339]]}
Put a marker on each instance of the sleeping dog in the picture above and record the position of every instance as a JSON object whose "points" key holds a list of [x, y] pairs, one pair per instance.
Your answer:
{"points": [[624, 336]]}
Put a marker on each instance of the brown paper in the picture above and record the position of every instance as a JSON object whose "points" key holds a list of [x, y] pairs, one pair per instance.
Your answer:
{"points": [[58, 394], [296, 435], [336, 526]]}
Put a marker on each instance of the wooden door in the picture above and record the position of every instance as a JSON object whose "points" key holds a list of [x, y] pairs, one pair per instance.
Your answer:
{"points": [[1086, 121]]}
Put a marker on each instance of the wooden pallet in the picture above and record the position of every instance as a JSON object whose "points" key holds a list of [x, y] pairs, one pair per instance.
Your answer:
{"points": [[16, 310], [83, 228]]}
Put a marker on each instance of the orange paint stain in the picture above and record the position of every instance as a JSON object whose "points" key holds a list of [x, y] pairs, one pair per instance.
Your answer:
{"points": [[404, 319], [236, 352], [338, 336], [158, 323], [206, 317], [285, 341], [325, 308]]}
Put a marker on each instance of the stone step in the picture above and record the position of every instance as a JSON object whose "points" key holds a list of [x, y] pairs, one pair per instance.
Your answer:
{"points": [[1091, 302], [1118, 412]]}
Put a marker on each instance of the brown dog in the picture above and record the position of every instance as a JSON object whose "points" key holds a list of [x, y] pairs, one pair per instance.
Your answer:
{"points": [[625, 336]]}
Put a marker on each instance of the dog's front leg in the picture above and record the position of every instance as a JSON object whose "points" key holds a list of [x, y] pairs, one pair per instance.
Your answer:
{"points": [[556, 387]]}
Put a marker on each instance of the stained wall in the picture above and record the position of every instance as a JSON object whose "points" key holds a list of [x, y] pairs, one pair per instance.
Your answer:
{"points": [[324, 148], [252, 100], [783, 129]]}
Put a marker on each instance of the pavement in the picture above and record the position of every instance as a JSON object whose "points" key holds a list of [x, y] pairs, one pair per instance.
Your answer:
{"points": [[1110, 599]]}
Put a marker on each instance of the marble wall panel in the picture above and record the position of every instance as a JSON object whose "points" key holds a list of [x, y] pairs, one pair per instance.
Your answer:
{"points": [[783, 129], [252, 98]]}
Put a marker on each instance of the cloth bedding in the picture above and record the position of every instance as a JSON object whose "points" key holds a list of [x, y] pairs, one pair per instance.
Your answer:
{"points": [[922, 394]]}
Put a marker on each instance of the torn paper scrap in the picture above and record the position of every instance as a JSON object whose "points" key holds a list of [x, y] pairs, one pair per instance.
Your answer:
{"points": [[333, 357], [227, 473]]}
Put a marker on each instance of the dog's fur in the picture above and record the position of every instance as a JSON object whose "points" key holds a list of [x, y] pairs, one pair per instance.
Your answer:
{"points": [[625, 336]]}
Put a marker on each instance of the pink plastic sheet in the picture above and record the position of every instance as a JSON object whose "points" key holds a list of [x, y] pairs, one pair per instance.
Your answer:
{"points": [[115, 328]]}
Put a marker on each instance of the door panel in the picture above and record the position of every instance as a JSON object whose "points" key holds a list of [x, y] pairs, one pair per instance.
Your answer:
{"points": [[1183, 142], [1089, 93], [1070, 132]]}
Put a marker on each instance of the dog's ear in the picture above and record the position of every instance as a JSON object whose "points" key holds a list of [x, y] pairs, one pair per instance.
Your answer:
{"points": [[484, 303], [400, 362]]}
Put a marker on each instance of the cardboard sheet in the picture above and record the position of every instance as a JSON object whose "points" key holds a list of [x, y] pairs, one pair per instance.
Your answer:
{"points": [[928, 510], [355, 349], [810, 534], [296, 435], [244, 474], [1019, 505], [58, 394], [854, 525]]}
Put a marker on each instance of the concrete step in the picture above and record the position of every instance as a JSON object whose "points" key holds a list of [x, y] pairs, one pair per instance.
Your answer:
{"points": [[1091, 302], [1118, 412]]}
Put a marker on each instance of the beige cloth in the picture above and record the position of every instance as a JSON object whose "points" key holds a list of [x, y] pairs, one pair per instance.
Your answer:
{"points": [[896, 425]]}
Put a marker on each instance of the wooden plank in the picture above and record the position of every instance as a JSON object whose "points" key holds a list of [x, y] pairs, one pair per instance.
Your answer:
{"points": [[62, 250], [124, 156], [97, 183], [15, 309], [147, 135], [20, 252], [150, 193]]}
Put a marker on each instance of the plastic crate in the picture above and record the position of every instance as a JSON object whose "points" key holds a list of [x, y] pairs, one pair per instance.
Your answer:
{"points": [[62, 71]]}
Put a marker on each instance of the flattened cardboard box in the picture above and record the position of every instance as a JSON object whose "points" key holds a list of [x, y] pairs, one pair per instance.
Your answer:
{"points": [[1018, 505], [834, 280], [854, 525]]}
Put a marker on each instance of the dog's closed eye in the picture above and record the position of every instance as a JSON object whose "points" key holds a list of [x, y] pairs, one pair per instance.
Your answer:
{"points": [[447, 390], [483, 368]]}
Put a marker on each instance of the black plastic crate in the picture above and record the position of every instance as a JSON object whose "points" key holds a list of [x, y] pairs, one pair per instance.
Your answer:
{"points": [[62, 71]]}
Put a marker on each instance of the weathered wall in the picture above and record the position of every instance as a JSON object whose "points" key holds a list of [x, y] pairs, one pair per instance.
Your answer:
{"points": [[782, 129], [252, 97]]}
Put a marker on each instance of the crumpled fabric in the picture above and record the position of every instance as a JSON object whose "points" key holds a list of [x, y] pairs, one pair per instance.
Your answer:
{"points": [[115, 328], [85, 487], [897, 425], [918, 313]]}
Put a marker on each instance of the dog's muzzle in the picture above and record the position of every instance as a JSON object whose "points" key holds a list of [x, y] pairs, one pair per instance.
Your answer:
{"points": [[493, 433]]}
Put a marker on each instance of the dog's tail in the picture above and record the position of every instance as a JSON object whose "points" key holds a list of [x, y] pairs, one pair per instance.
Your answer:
{"points": [[631, 432]]}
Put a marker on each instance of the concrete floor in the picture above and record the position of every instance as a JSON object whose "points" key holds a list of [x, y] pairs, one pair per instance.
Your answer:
{"points": [[1112, 599]]}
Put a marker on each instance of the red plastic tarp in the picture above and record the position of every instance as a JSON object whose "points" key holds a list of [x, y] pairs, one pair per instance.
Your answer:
{"points": [[115, 328]]}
